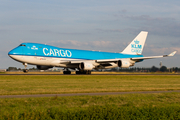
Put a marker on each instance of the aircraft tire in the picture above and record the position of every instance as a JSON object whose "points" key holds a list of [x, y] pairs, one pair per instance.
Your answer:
{"points": [[89, 72], [67, 72], [83, 72], [25, 70], [77, 72]]}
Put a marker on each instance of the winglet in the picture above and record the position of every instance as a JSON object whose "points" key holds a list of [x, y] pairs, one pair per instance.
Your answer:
{"points": [[172, 54]]}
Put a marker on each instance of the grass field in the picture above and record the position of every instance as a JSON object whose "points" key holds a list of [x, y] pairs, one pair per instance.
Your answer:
{"points": [[133, 106], [52, 84], [129, 106]]}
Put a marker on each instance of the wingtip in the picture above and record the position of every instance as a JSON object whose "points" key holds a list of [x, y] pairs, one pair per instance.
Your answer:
{"points": [[145, 31], [172, 54]]}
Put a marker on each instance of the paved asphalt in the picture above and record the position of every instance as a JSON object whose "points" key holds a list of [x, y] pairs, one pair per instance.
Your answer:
{"points": [[81, 94]]}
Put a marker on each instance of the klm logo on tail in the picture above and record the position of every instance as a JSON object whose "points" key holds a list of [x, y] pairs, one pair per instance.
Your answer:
{"points": [[136, 48]]}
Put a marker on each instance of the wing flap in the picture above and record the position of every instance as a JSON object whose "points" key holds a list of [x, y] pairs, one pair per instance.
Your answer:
{"points": [[75, 61], [107, 60]]}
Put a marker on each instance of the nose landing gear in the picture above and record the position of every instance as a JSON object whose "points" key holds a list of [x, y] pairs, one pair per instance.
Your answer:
{"points": [[25, 70]]}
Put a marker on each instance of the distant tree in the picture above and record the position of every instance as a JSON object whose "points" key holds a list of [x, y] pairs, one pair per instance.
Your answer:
{"points": [[32, 68], [176, 69], [154, 69], [114, 69], [12, 68], [163, 69]]}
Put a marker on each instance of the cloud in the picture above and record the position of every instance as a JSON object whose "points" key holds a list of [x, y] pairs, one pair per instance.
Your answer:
{"points": [[110, 46], [166, 50], [101, 43], [78, 43], [90, 45], [175, 43], [153, 50], [167, 26], [65, 32], [109, 30]]}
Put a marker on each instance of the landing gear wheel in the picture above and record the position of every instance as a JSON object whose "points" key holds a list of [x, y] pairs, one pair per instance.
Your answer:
{"points": [[89, 72], [83, 72], [67, 72], [78, 72], [25, 70]]}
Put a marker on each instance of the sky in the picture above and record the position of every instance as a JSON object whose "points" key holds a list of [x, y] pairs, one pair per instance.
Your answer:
{"points": [[103, 25]]}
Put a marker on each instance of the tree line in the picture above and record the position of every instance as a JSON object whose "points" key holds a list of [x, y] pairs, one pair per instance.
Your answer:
{"points": [[152, 69], [131, 69]]}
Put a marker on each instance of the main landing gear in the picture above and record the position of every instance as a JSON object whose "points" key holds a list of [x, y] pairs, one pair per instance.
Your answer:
{"points": [[25, 70], [88, 72], [66, 71]]}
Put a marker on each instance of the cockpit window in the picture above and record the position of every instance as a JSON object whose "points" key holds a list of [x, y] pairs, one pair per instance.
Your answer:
{"points": [[22, 45]]}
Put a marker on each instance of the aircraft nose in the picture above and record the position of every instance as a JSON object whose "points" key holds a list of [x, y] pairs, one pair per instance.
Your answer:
{"points": [[12, 52], [15, 51], [16, 54]]}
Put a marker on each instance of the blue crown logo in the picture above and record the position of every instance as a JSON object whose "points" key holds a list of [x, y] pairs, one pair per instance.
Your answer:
{"points": [[136, 42], [34, 48]]}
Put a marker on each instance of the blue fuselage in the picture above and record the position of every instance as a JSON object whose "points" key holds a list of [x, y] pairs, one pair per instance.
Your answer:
{"points": [[41, 50]]}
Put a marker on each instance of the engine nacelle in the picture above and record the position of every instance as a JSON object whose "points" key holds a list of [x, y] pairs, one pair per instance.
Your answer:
{"points": [[86, 66], [42, 67], [123, 64]]}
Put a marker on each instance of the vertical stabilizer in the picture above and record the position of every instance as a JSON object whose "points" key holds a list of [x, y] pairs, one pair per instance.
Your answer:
{"points": [[136, 46]]}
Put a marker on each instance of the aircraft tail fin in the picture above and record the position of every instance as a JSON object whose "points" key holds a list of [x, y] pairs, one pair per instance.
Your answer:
{"points": [[137, 45]]}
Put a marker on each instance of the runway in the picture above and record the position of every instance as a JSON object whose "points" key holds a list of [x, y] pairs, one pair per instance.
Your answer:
{"points": [[86, 94]]}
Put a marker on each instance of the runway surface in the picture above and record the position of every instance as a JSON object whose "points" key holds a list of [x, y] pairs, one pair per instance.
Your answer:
{"points": [[81, 94]]}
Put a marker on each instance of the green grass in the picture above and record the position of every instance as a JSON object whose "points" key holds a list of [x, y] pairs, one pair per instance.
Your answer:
{"points": [[127, 107], [52, 84], [132, 106], [2, 72]]}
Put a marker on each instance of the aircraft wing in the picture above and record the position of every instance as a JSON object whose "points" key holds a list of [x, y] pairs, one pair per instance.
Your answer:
{"points": [[92, 61], [114, 60], [151, 57]]}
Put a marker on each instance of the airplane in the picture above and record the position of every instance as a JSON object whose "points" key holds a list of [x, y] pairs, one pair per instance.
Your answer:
{"points": [[83, 61]]}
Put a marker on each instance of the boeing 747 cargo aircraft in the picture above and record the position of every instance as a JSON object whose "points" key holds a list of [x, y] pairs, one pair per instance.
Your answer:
{"points": [[83, 61]]}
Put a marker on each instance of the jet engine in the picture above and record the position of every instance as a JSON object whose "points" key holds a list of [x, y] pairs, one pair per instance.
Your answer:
{"points": [[123, 64], [86, 66], [42, 67]]}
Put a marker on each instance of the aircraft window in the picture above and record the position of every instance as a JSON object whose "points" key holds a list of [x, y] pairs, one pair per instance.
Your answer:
{"points": [[22, 45]]}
